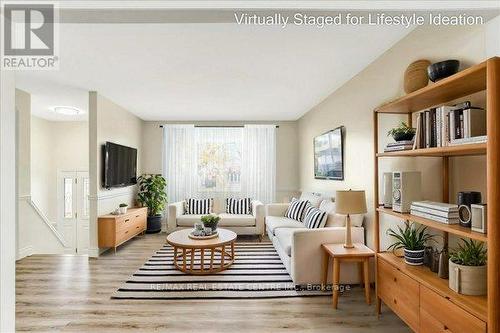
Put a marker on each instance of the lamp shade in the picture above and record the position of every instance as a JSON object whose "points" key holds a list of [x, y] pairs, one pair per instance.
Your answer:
{"points": [[350, 202]]}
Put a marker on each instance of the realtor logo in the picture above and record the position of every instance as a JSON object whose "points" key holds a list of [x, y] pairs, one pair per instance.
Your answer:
{"points": [[29, 36]]}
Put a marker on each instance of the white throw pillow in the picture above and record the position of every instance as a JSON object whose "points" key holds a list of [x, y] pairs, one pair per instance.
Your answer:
{"points": [[314, 198], [356, 220], [329, 207]]}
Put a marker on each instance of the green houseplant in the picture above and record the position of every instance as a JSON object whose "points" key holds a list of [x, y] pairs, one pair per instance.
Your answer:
{"points": [[467, 268], [402, 132], [210, 221], [152, 195], [412, 240]]}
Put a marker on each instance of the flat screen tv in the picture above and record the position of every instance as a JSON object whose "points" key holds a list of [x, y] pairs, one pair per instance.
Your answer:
{"points": [[328, 155], [120, 165]]}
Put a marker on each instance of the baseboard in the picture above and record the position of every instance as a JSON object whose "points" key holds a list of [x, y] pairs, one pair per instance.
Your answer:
{"points": [[94, 253], [25, 252]]}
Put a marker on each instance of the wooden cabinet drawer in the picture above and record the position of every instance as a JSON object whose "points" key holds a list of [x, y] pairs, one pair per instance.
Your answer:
{"points": [[124, 222], [399, 292], [443, 315]]}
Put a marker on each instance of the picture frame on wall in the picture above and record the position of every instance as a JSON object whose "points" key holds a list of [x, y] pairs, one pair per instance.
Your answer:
{"points": [[329, 155]]}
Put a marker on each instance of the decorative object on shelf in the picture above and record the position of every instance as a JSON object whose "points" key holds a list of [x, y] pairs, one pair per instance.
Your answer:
{"points": [[152, 195], [467, 268], [412, 240], [436, 211], [346, 203], [443, 263], [387, 190], [428, 256], [435, 261], [402, 133], [200, 235], [464, 201], [210, 222], [122, 208], [479, 218], [442, 69], [399, 146], [416, 76], [328, 155], [406, 188]]}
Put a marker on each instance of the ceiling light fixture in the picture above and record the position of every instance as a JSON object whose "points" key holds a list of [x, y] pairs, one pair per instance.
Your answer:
{"points": [[67, 110]]}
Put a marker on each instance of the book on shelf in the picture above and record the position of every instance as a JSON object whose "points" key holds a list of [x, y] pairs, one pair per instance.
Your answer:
{"points": [[441, 206], [435, 218], [448, 215], [399, 145], [443, 126], [464, 141]]}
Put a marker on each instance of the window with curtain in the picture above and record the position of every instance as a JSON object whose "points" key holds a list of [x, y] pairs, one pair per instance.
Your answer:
{"points": [[219, 162]]}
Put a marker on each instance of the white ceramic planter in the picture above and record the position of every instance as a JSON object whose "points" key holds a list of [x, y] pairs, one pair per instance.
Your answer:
{"points": [[122, 210], [467, 280]]}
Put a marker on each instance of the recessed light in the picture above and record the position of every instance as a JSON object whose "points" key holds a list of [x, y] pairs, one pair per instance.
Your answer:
{"points": [[67, 110]]}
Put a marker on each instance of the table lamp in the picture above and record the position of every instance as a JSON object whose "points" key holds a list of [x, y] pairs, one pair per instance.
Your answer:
{"points": [[350, 202]]}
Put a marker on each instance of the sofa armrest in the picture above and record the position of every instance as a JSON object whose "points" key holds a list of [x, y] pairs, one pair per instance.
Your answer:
{"points": [[175, 210], [307, 254], [259, 212], [276, 209]]}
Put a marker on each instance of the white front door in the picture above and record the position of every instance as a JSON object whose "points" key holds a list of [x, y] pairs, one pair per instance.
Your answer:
{"points": [[73, 209]]}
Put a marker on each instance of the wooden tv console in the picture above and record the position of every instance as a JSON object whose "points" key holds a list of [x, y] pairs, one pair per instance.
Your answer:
{"points": [[114, 230]]}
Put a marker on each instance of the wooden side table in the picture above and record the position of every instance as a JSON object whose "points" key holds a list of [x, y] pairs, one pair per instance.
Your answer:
{"points": [[359, 253]]}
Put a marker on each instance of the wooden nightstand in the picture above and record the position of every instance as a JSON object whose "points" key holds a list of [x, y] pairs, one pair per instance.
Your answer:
{"points": [[359, 253]]}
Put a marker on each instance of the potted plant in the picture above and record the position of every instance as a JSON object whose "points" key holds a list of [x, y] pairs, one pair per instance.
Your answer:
{"points": [[402, 133], [210, 221], [152, 195], [122, 208], [467, 268], [412, 240]]}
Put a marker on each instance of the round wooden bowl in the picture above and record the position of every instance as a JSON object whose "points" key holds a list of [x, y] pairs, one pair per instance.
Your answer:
{"points": [[416, 76]]}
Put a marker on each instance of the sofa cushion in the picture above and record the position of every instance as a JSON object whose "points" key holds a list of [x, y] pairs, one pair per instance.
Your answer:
{"points": [[329, 207], [275, 222], [285, 236], [199, 206], [233, 220], [239, 206], [188, 220], [315, 218], [314, 198], [296, 209]]}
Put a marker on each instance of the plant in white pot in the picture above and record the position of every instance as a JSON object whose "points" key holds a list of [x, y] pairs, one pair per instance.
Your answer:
{"points": [[122, 208], [467, 268], [412, 240], [152, 195]]}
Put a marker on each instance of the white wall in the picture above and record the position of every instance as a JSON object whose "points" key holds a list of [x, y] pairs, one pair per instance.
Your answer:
{"points": [[55, 146], [287, 167], [109, 122], [352, 106], [8, 230]]}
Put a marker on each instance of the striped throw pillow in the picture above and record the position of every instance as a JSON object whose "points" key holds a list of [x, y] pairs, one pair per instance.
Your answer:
{"points": [[296, 209], [198, 206], [315, 218], [239, 206]]}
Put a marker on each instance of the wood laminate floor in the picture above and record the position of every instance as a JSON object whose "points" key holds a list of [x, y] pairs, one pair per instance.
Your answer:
{"points": [[62, 293]]}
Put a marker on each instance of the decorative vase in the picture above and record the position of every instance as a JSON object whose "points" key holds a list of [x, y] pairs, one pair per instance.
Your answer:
{"points": [[443, 264], [122, 210], [416, 76], [403, 136], [467, 280], [414, 257]]}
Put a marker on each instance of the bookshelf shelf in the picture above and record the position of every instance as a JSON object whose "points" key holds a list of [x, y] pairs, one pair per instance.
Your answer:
{"points": [[466, 82], [459, 150], [476, 305], [454, 229]]}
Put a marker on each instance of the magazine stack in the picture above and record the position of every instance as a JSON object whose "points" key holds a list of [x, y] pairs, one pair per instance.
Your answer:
{"points": [[436, 211]]}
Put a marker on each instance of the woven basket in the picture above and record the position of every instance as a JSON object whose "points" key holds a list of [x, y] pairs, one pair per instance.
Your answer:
{"points": [[416, 76]]}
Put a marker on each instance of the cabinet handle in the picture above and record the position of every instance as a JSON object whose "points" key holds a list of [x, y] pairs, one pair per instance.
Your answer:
{"points": [[395, 280], [395, 302], [127, 220], [137, 227], [126, 232], [137, 215]]}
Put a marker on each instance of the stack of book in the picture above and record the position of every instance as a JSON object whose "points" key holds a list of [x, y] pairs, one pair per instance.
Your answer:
{"points": [[399, 145], [436, 211], [450, 125]]}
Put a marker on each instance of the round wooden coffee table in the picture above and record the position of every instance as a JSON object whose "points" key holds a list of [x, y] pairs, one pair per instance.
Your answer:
{"points": [[199, 257]]}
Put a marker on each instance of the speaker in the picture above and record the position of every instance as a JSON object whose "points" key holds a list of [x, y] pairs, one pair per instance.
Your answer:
{"points": [[464, 201], [479, 215], [387, 194], [406, 188]]}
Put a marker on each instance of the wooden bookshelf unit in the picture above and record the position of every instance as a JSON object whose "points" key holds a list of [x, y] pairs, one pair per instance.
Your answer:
{"points": [[414, 293]]}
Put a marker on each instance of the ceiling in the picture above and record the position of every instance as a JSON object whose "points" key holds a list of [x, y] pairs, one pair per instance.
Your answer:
{"points": [[205, 71]]}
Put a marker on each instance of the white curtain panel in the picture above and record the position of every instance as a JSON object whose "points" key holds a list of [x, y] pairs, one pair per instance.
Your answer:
{"points": [[258, 174], [179, 161]]}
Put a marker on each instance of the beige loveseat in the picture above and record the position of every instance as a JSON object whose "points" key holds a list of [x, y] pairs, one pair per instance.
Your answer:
{"points": [[300, 248], [241, 224]]}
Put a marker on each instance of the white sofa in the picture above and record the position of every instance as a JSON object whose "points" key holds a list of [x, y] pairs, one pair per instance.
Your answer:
{"points": [[300, 248], [243, 224]]}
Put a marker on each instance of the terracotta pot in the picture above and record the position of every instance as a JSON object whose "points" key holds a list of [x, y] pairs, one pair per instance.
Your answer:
{"points": [[467, 280], [416, 76]]}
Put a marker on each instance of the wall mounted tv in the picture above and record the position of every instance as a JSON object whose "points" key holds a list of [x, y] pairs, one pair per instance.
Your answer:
{"points": [[120, 165]]}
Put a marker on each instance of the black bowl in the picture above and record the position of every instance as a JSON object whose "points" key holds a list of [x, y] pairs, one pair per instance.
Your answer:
{"points": [[442, 69]]}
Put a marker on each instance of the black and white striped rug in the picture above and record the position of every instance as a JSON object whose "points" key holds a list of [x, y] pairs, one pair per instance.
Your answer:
{"points": [[257, 272]]}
